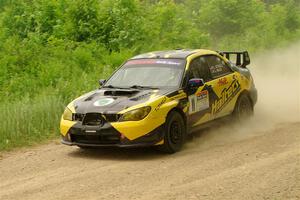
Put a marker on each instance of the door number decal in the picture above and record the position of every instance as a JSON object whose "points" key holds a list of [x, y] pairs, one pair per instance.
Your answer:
{"points": [[198, 101]]}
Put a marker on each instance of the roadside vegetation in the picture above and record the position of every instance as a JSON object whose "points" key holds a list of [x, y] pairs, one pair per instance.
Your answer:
{"points": [[51, 51]]}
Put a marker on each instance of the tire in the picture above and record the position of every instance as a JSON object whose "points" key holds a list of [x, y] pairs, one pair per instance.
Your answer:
{"points": [[174, 133], [243, 108]]}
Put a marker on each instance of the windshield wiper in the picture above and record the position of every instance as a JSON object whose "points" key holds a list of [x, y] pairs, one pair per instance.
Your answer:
{"points": [[142, 87]]}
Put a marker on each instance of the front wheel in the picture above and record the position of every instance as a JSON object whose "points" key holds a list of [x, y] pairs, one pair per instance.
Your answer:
{"points": [[243, 108], [174, 133]]}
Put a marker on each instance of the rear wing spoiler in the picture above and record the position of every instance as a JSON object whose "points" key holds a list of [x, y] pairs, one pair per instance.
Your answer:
{"points": [[242, 58]]}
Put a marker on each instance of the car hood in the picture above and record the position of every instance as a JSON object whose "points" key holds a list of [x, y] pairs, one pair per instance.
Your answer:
{"points": [[109, 100]]}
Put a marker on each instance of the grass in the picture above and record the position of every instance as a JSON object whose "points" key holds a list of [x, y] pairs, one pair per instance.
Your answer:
{"points": [[30, 120], [27, 122]]}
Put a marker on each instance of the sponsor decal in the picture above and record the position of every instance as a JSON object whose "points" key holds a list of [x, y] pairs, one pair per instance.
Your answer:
{"points": [[202, 94], [140, 62], [153, 61], [160, 104], [207, 98], [222, 81], [178, 96], [140, 97], [199, 101], [226, 96], [103, 102], [216, 69], [167, 62]]}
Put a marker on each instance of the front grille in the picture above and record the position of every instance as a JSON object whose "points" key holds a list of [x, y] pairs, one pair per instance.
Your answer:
{"points": [[112, 117], [96, 139], [108, 117], [78, 117], [93, 119]]}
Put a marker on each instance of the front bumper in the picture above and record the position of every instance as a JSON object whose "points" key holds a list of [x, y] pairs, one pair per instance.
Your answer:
{"points": [[107, 145], [95, 136]]}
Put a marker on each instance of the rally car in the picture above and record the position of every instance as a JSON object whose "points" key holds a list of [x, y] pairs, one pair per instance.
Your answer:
{"points": [[157, 98]]}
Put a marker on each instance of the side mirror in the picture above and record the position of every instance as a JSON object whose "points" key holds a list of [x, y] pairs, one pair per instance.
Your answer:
{"points": [[102, 82], [196, 82]]}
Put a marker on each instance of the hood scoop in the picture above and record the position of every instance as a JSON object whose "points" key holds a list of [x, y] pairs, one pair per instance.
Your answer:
{"points": [[91, 97], [120, 92]]}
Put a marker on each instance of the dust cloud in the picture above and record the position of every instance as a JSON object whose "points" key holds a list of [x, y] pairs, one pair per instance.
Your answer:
{"points": [[277, 78]]}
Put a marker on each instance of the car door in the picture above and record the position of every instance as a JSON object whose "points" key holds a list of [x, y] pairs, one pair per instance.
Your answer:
{"points": [[212, 100], [199, 98], [224, 86]]}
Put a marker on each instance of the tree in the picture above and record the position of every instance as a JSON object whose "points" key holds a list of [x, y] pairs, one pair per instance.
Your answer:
{"points": [[223, 17]]}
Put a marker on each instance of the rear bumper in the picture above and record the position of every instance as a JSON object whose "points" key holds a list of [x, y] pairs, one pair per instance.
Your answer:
{"points": [[108, 136]]}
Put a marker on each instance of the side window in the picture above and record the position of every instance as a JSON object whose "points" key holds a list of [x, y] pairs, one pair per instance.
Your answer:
{"points": [[199, 69], [217, 67]]}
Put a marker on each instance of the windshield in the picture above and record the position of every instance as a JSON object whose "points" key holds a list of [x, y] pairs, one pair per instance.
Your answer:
{"points": [[148, 73]]}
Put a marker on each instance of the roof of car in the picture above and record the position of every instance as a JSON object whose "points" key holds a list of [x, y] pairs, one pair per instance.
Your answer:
{"points": [[180, 53]]}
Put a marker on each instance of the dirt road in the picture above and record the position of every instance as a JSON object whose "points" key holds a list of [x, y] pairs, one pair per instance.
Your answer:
{"points": [[263, 166], [256, 160]]}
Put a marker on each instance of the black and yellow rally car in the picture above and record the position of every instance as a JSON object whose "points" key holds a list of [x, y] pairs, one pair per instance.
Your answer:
{"points": [[157, 98]]}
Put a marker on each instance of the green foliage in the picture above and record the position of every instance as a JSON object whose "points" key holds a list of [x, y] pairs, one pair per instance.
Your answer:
{"points": [[53, 51], [119, 25], [26, 121], [229, 17], [82, 20], [168, 27]]}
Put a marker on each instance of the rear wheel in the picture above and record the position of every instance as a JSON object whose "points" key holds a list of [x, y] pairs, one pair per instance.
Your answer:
{"points": [[243, 108], [174, 133]]}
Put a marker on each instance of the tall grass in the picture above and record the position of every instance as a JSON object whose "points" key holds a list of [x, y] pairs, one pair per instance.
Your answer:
{"points": [[26, 121], [29, 120]]}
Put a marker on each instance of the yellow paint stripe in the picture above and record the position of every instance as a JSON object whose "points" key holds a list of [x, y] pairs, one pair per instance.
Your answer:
{"points": [[65, 126]]}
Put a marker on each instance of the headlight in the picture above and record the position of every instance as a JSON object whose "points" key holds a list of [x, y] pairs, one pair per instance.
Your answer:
{"points": [[136, 114], [67, 114]]}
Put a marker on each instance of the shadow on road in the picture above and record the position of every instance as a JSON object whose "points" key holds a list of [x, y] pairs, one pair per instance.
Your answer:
{"points": [[219, 132], [114, 153]]}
